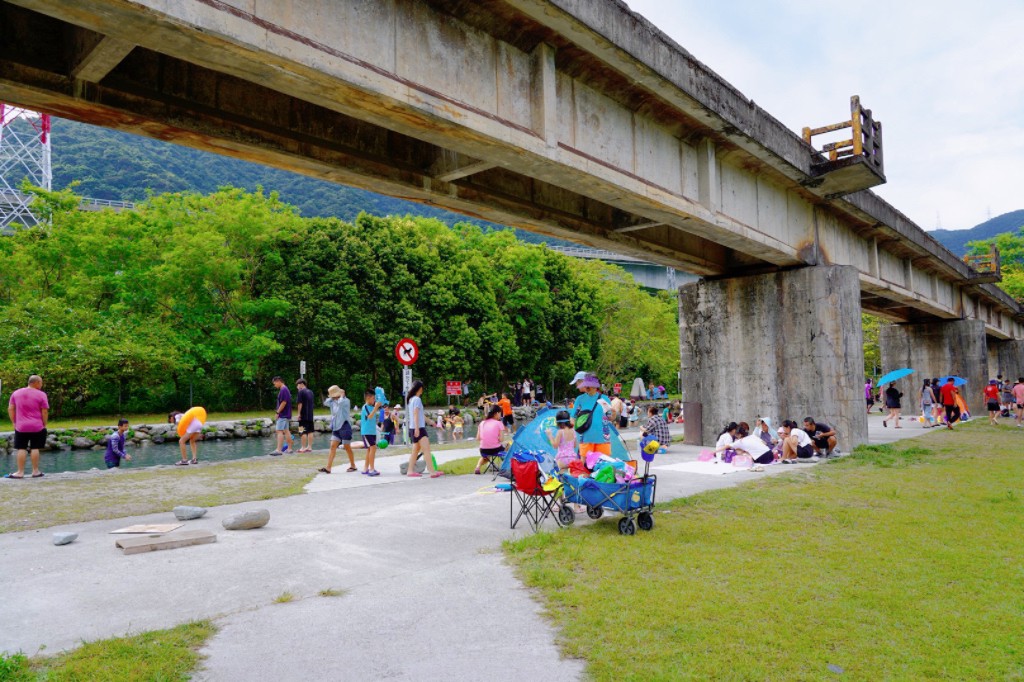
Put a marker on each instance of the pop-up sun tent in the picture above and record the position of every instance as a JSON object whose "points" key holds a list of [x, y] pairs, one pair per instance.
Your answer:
{"points": [[533, 438], [638, 392]]}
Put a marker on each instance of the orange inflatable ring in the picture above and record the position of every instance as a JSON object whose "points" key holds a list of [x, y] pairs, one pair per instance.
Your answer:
{"points": [[186, 419]]}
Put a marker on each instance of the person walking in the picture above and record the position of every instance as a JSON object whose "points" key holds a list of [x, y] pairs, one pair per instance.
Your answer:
{"points": [[991, 395], [341, 428], [418, 432], [368, 430], [283, 416], [948, 394], [1018, 400], [29, 411], [927, 402], [869, 395], [304, 400], [892, 403]]}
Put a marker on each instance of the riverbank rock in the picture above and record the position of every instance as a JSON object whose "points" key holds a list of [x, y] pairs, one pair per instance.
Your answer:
{"points": [[64, 538], [82, 443], [186, 513], [247, 520]]}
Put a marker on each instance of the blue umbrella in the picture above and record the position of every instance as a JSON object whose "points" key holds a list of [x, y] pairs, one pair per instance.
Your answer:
{"points": [[957, 381], [894, 375]]}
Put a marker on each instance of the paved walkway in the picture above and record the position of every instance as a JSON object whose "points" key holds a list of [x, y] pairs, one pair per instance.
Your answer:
{"points": [[426, 590]]}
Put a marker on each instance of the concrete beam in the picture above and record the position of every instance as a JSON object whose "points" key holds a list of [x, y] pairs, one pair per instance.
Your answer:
{"points": [[451, 166], [638, 226], [101, 58]]}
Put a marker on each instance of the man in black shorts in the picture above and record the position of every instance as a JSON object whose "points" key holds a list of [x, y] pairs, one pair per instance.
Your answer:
{"points": [[304, 401], [823, 436], [29, 411]]}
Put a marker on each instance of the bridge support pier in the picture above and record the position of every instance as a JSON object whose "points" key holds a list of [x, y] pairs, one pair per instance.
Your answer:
{"points": [[937, 349], [1006, 358], [785, 345]]}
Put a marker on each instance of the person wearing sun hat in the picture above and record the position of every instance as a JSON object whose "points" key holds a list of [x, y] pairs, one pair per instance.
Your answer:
{"points": [[595, 438], [341, 427]]}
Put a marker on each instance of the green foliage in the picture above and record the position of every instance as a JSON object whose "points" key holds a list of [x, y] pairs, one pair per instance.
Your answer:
{"points": [[210, 296], [1011, 254], [872, 352], [15, 668]]}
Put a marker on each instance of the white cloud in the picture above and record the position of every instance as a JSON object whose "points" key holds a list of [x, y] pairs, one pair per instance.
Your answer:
{"points": [[944, 78]]}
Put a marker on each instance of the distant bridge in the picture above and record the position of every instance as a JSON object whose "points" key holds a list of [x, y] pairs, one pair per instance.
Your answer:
{"points": [[646, 274], [14, 206]]}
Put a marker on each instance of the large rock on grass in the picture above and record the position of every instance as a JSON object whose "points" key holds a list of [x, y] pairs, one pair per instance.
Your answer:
{"points": [[247, 520]]}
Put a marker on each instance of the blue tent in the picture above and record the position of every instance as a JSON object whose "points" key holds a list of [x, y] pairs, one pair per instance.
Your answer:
{"points": [[533, 438]]}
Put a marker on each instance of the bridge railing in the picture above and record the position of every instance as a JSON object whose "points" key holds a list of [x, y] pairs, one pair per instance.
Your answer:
{"points": [[865, 140], [107, 203]]}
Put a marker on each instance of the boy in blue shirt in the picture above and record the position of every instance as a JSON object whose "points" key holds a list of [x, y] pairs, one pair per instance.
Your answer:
{"points": [[368, 429], [115, 446]]}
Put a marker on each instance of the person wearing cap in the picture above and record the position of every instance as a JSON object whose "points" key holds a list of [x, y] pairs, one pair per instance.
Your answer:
{"points": [[341, 427], [596, 439], [991, 393]]}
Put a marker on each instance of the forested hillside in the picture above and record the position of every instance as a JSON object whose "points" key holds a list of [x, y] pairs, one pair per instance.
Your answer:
{"points": [[957, 240]]}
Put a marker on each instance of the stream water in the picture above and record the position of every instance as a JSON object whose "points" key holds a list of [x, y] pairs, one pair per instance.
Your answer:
{"points": [[150, 454]]}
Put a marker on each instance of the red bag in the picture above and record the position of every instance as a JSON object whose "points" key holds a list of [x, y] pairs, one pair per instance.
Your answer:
{"points": [[578, 469]]}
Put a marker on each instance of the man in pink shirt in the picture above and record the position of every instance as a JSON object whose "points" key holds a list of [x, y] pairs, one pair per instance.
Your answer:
{"points": [[29, 411], [1018, 399]]}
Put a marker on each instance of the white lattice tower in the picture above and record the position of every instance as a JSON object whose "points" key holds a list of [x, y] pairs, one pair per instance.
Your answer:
{"points": [[24, 153]]}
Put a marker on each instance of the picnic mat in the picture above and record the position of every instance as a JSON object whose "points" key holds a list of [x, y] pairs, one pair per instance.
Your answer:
{"points": [[149, 528], [707, 468]]}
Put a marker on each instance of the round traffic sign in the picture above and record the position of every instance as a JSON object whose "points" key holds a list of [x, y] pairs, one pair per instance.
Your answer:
{"points": [[407, 352]]}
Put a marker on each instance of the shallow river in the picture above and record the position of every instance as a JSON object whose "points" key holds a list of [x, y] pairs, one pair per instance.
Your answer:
{"points": [[150, 454]]}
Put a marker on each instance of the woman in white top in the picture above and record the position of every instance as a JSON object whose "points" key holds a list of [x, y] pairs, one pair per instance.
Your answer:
{"points": [[796, 445], [725, 440], [754, 446], [418, 433]]}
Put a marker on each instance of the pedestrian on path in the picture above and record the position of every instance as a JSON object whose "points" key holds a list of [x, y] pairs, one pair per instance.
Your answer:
{"points": [[1018, 400], [418, 433], [29, 411], [304, 401], [893, 404], [368, 430], [283, 417], [948, 394], [341, 427], [991, 394]]}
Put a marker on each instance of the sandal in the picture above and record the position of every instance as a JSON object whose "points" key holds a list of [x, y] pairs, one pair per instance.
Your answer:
{"points": [[324, 470], [13, 477], [39, 475], [373, 472], [181, 463], [349, 470], [414, 475], [436, 474], [194, 461]]}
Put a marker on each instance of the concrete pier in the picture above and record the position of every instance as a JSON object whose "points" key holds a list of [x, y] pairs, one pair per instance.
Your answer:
{"points": [[1006, 358], [937, 349], [785, 345]]}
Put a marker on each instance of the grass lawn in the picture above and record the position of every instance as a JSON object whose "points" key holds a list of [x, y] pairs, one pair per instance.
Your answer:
{"points": [[158, 655], [900, 562]]}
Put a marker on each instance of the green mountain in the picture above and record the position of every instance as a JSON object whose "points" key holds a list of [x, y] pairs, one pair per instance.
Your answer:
{"points": [[956, 240], [109, 164]]}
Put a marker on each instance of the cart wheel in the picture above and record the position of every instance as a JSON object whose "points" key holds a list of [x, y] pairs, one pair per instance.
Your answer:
{"points": [[566, 516], [627, 527], [645, 520], [594, 512]]}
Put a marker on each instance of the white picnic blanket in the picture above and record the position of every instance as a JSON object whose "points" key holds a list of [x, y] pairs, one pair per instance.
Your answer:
{"points": [[707, 468]]}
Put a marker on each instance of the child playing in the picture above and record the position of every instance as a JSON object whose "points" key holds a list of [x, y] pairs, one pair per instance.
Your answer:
{"points": [[564, 440], [389, 426], [489, 435], [115, 446], [368, 430], [457, 425]]}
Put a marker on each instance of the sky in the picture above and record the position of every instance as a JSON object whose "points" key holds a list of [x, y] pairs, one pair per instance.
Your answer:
{"points": [[946, 80]]}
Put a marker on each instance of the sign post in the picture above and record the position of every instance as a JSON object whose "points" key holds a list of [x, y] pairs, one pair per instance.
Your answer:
{"points": [[302, 369], [453, 388], [617, 388], [407, 353]]}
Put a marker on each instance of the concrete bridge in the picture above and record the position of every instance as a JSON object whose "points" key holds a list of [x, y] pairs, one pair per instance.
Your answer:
{"points": [[645, 273], [576, 119]]}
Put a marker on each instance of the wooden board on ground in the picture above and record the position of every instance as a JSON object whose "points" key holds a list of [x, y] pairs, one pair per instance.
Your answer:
{"points": [[149, 528], [152, 544]]}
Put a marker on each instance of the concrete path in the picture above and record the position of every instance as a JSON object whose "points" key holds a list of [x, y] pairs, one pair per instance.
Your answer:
{"points": [[426, 592]]}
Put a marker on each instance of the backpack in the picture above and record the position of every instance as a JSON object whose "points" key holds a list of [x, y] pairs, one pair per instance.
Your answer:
{"points": [[584, 420]]}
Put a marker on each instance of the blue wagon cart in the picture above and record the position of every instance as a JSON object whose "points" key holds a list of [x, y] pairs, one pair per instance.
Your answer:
{"points": [[633, 499]]}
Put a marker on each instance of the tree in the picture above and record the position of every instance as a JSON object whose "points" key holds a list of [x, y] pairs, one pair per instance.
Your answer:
{"points": [[1011, 255]]}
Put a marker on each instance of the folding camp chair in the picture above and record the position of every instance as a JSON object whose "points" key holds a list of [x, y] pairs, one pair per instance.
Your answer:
{"points": [[494, 463], [535, 501]]}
